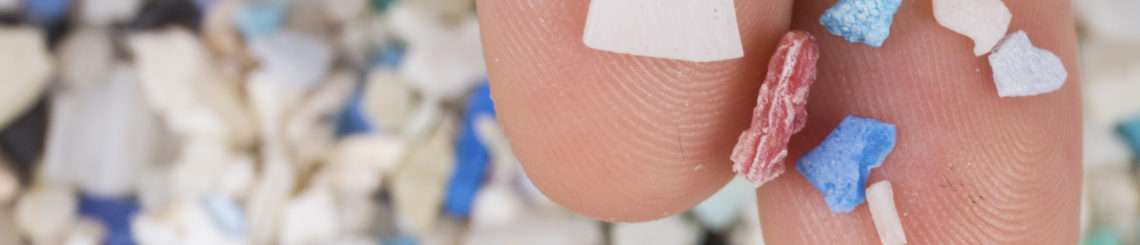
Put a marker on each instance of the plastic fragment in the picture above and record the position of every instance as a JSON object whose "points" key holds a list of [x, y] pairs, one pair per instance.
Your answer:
{"points": [[114, 213], [1021, 69], [780, 110], [259, 19], [472, 156], [26, 66], [46, 11], [1129, 130], [881, 200], [107, 12], [690, 30], [861, 21], [420, 185], [45, 213], [388, 101], [839, 166], [352, 119], [984, 21]]}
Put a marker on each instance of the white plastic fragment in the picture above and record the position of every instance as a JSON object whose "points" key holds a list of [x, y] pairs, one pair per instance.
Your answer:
{"points": [[671, 230], [310, 218], [46, 213], [881, 201], [358, 164], [86, 57], [1021, 69], [690, 30], [101, 135], [388, 100], [106, 12], [26, 67], [984, 21], [292, 58], [443, 61], [86, 232], [420, 183]]}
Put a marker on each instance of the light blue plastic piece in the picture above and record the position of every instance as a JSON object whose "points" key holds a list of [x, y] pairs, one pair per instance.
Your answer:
{"points": [[839, 166], [1129, 130], [260, 19], [861, 21], [227, 215], [472, 157]]}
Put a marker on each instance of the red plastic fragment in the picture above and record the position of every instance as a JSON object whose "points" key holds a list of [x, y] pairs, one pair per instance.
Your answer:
{"points": [[780, 109]]}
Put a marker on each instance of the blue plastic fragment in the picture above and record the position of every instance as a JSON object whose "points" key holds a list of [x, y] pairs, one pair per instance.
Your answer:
{"points": [[839, 166], [227, 214], [46, 11], [472, 157], [864, 21], [1129, 130], [115, 213], [390, 56], [352, 120], [260, 19]]}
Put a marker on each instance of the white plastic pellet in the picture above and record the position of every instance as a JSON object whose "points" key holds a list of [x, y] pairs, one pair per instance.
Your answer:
{"points": [[1021, 69], [690, 30], [881, 201], [26, 66], [984, 21]]}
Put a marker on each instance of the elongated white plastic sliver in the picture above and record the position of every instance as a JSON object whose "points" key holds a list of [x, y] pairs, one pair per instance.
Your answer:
{"points": [[690, 30], [881, 200]]}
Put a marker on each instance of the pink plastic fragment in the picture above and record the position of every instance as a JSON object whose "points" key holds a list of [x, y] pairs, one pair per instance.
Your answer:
{"points": [[780, 110]]}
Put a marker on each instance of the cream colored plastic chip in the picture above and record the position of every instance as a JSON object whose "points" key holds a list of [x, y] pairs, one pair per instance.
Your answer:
{"points": [[881, 200], [984, 21], [690, 30]]}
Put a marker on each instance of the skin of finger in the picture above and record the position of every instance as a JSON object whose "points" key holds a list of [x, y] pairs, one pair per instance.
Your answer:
{"points": [[969, 167], [618, 137]]}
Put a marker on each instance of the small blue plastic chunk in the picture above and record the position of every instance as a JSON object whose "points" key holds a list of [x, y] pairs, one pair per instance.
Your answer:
{"points": [[472, 157], [115, 213], [839, 166], [861, 21], [1129, 130], [352, 119], [46, 11]]}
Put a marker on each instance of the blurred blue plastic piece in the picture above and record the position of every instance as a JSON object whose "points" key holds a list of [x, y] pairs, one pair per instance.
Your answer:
{"points": [[352, 120], [472, 157], [227, 214], [1102, 237], [390, 56], [46, 11], [260, 19], [864, 21], [1129, 130], [839, 166], [115, 213]]}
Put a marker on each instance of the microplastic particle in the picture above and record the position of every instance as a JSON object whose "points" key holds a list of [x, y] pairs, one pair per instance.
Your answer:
{"points": [[1130, 131], [690, 30], [1021, 69], [839, 166], [864, 21], [984, 21], [472, 157], [881, 200], [761, 149], [115, 213]]}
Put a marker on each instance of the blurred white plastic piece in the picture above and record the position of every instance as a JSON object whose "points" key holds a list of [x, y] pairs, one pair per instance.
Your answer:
{"points": [[1021, 69], [86, 232], [101, 136], [294, 59], [310, 218], [1110, 19], [984, 21], [106, 12], [722, 209], [183, 223], [46, 213], [421, 181], [388, 100], [539, 228], [26, 65], [269, 196], [358, 164], [881, 201], [86, 57], [1113, 198], [443, 61], [690, 30], [670, 230]]}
